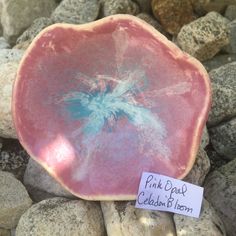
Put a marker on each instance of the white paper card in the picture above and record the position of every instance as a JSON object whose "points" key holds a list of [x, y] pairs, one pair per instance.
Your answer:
{"points": [[159, 192]]}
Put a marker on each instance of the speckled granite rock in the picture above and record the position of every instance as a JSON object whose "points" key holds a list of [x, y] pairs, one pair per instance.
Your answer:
{"points": [[205, 138], [14, 200], [19, 15], [9, 55], [231, 47], [3, 43], [153, 22], [204, 37], [230, 12], [173, 14], [112, 7], [200, 169], [122, 218], [145, 5], [220, 191], [7, 78], [13, 158], [223, 139], [223, 93], [207, 224], [61, 216], [219, 60], [76, 12], [40, 184], [38, 25]]}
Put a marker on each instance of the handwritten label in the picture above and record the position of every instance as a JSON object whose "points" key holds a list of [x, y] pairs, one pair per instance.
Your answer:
{"points": [[159, 192]]}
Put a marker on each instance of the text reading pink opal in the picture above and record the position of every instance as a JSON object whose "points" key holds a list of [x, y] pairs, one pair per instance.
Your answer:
{"points": [[98, 104]]}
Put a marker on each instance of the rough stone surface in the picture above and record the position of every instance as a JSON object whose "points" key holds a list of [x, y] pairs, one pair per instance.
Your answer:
{"points": [[219, 60], [173, 14], [223, 139], [0, 18], [19, 15], [231, 47], [205, 138], [5, 232], [207, 224], [153, 22], [112, 7], [3, 43], [220, 191], [38, 25], [230, 12], [223, 82], [122, 218], [14, 200], [61, 216], [40, 184], [9, 55], [145, 5], [200, 169], [13, 158], [7, 78], [76, 12], [204, 37], [216, 160], [23, 45]]}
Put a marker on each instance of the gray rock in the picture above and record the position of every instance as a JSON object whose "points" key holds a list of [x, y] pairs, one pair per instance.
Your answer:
{"points": [[112, 7], [9, 55], [223, 139], [204, 37], [207, 224], [19, 15], [220, 191], [153, 22], [7, 78], [144, 5], [40, 184], [5, 232], [76, 11], [13, 158], [219, 60], [3, 43], [215, 159], [231, 47], [61, 216], [205, 138], [223, 81], [230, 12], [0, 18], [200, 169], [14, 200], [38, 25], [122, 218]]}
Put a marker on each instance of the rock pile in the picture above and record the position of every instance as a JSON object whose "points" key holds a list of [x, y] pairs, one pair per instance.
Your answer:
{"points": [[203, 29]]}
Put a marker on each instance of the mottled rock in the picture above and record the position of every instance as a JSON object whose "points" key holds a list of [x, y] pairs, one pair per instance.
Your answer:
{"points": [[173, 14], [0, 18], [223, 81], [144, 5], [122, 218], [207, 224], [76, 12], [216, 160], [153, 22], [7, 78], [230, 12], [112, 7], [9, 55], [231, 47], [223, 139], [23, 45], [38, 25], [13, 158], [205, 138], [3, 43], [204, 6], [61, 216], [204, 37], [14, 200], [219, 60], [40, 184], [200, 169], [19, 15], [220, 191], [5, 232]]}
